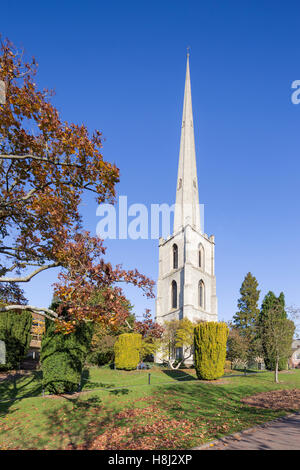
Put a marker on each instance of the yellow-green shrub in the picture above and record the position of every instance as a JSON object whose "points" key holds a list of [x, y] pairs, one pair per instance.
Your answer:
{"points": [[127, 351], [210, 349]]}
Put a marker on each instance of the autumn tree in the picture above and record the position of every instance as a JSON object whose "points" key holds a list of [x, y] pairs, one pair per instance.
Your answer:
{"points": [[11, 293], [46, 165], [105, 335], [151, 333], [246, 319]]}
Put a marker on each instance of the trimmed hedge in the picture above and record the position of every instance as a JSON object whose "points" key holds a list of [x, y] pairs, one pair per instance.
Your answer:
{"points": [[210, 349], [15, 328], [127, 351], [63, 357]]}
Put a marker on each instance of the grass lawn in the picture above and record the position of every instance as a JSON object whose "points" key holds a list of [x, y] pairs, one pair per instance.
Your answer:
{"points": [[119, 410]]}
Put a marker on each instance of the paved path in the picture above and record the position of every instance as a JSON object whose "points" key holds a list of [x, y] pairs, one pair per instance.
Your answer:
{"points": [[281, 434]]}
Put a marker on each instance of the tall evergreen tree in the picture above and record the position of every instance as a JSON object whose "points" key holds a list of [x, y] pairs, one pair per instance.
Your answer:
{"points": [[246, 319], [270, 304], [277, 337]]}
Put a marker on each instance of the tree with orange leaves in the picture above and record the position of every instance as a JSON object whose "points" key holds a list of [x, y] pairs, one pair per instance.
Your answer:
{"points": [[46, 164]]}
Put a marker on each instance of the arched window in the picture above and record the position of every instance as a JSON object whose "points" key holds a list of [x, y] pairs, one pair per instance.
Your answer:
{"points": [[201, 256], [201, 290], [175, 256], [174, 294]]}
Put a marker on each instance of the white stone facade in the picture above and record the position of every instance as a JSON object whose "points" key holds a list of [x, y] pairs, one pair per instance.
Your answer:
{"points": [[188, 276], [187, 257]]}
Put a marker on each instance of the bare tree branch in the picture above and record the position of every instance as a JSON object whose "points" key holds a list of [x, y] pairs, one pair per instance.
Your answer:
{"points": [[46, 312], [34, 157], [29, 276]]}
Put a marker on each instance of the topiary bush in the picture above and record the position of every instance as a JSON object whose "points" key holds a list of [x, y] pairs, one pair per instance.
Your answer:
{"points": [[127, 351], [63, 357], [210, 349], [15, 330]]}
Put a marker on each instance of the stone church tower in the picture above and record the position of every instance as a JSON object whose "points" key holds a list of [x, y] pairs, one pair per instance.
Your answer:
{"points": [[186, 286]]}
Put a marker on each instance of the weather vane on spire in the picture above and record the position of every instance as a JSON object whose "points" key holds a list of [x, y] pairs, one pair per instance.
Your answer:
{"points": [[188, 51]]}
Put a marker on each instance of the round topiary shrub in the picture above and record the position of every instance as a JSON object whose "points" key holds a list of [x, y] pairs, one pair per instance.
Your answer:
{"points": [[210, 349], [127, 351]]}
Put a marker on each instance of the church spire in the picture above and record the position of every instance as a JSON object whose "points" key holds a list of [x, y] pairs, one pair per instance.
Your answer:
{"points": [[187, 210]]}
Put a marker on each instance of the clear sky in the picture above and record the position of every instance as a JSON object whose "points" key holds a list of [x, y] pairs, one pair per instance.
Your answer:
{"points": [[120, 67]]}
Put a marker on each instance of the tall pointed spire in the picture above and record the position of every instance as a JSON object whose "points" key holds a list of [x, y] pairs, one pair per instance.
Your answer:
{"points": [[187, 210]]}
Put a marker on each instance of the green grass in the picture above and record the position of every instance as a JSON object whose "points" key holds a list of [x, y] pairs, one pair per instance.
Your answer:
{"points": [[119, 410]]}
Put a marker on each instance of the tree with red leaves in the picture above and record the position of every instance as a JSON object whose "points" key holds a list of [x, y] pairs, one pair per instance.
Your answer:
{"points": [[46, 164], [151, 334]]}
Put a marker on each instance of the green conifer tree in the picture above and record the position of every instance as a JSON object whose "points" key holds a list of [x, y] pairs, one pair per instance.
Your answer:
{"points": [[271, 303], [246, 319]]}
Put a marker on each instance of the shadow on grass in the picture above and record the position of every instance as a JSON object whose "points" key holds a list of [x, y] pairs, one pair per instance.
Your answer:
{"points": [[77, 423], [72, 423], [179, 375], [213, 404], [122, 391], [87, 384], [16, 387]]}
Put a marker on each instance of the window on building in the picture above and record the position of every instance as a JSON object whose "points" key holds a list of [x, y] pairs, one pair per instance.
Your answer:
{"points": [[201, 256], [178, 354], [174, 294], [201, 294], [175, 256]]}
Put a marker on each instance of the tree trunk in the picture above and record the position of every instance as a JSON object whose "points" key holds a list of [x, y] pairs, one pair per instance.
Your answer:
{"points": [[171, 364]]}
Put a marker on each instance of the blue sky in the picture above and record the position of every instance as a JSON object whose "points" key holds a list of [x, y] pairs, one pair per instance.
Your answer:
{"points": [[120, 67]]}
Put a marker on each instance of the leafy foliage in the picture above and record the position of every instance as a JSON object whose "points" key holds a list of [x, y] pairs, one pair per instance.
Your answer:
{"points": [[210, 350], [11, 294], [151, 334], [105, 334], [272, 311], [177, 334], [246, 319], [63, 357], [237, 346], [102, 349], [46, 165], [15, 332], [277, 336], [127, 351]]}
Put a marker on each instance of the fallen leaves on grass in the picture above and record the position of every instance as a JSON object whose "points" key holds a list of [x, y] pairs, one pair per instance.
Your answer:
{"points": [[161, 433], [275, 400]]}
